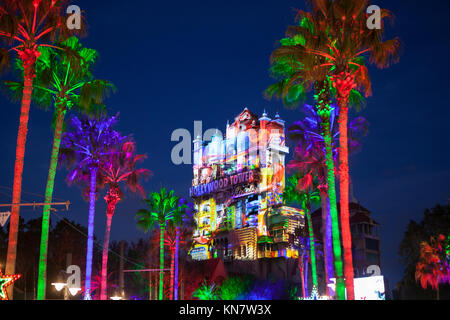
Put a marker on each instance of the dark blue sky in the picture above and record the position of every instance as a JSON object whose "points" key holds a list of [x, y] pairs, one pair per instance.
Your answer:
{"points": [[179, 61]]}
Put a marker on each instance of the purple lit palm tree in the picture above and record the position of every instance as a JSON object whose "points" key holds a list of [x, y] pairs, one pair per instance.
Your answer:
{"points": [[119, 167], [84, 148]]}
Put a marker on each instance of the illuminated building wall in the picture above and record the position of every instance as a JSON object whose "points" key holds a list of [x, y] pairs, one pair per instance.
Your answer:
{"points": [[238, 183]]}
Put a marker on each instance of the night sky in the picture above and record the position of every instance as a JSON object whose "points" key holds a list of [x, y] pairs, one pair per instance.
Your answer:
{"points": [[174, 62]]}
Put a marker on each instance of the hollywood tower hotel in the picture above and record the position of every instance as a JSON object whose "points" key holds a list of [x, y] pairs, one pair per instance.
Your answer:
{"points": [[237, 190]]}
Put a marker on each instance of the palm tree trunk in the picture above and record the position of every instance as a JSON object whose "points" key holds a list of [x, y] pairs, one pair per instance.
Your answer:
{"points": [[324, 111], [90, 242], [327, 240], [312, 249], [42, 280], [103, 290], [177, 249], [300, 267], [18, 170], [111, 198], [343, 93], [161, 262], [340, 285], [306, 274], [172, 273]]}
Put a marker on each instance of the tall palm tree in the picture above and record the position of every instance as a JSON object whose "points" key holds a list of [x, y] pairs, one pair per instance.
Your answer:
{"points": [[84, 148], [340, 44], [310, 152], [298, 75], [119, 168], [161, 208], [63, 79], [25, 26], [303, 190], [310, 155], [330, 46], [432, 268]]}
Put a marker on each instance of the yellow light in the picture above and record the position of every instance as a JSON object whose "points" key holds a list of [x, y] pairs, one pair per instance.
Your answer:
{"points": [[58, 285]]}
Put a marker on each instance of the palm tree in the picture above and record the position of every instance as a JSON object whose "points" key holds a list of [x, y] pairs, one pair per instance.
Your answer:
{"points": [[310, 155], [330, 46], [183, 217], [25, 26], [119, 167], [297, 75], [432, 268], [64, 78], [170, 242], [84, 149], [337, 48], [303, 190], [161, 208]]}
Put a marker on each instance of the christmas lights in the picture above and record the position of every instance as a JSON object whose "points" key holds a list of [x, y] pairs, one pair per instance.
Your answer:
{"points": [[5, 281]]}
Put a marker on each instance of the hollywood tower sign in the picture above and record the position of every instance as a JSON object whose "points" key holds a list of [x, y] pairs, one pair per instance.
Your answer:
{"points": [[237, 188], [222, 183]]}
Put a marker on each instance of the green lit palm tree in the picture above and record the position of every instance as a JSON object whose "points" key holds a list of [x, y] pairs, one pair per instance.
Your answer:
{"points": [[161, 208], [333, 45], [304, 191], [297, 75], [63, 78]]}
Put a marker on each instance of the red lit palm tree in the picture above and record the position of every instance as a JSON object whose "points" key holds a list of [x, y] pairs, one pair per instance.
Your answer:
{"points": [[432, 268], [344, 42], [96, 284], [64, 79], [332, 44], [84, 148], [25, 26], [119, 168]]}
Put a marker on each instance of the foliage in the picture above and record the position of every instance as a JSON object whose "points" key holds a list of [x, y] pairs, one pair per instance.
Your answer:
{"points": [[86, 145], [432, 267], [161, 208], [435, 221], [207, 292], [308, 132], [120, 166], [235, 288]]}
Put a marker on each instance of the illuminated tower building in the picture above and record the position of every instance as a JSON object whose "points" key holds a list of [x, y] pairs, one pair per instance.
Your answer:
{"points": [[237, 189]]}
